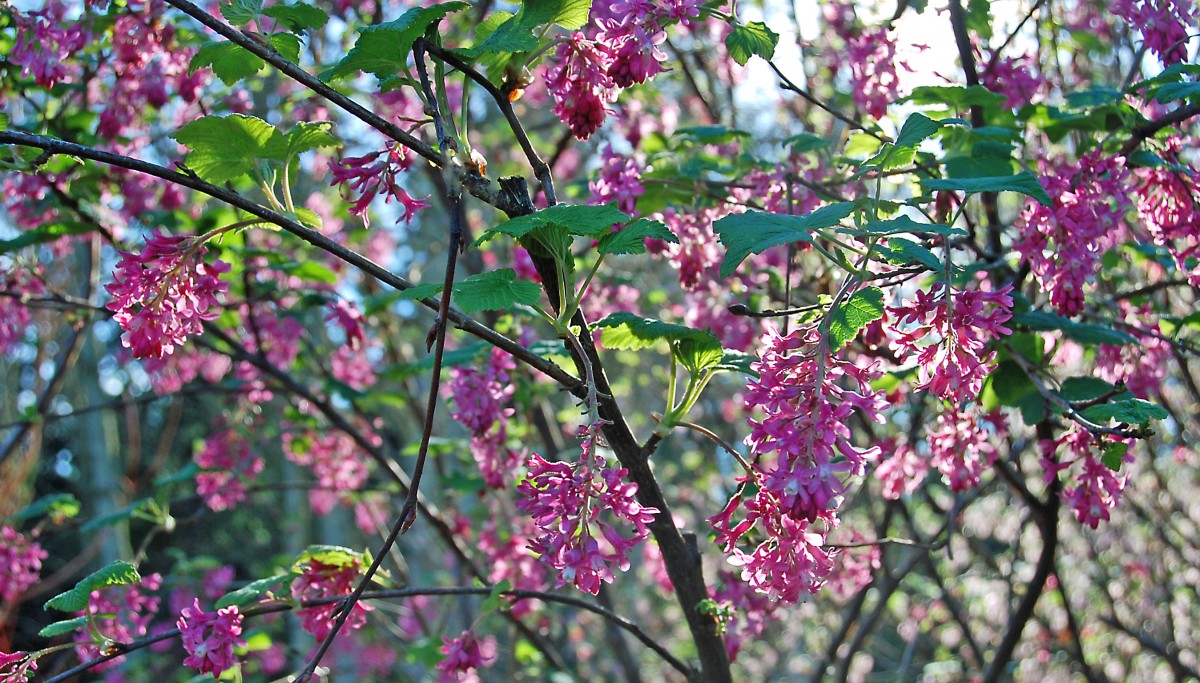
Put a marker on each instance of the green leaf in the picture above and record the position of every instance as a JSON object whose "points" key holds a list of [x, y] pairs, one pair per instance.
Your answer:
{"points": [[1084, 333], [60, 627], [251, 591], [516, 33], [710, 135], [308, 271], [747, 40], [495, 601], [55, 506], [336, 555], [904, 223], [298, 17], [286, 44], [383, 49], [863, 307], [306, 136], [225, 147], [806, 142], [1177, 91], [1084, 389], [1130, 411], [631, 239], [76, 600], [423, 291], [917, 129], [903, 252], [495, 290], [1114, 455], [577, 219], [44, 233], [1007, 385], [1025, 183], [121, 515], [696, 350], [3, 120], [307, 217], [230, 62], [241, 12], [753, 232], [954, 96]]}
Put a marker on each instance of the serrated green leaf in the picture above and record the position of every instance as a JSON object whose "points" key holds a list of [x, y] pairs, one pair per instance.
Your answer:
{"points": [[1006, 385], [1130, 411], [902, 252], [383, 49], [1084, 389], [241, 12], [806, 142], [224, 148], [753, 232], [286, 44], [306, 136], [230, 62], [576, 219], [1025, 183], [1084, 333], [335, 555], [3, 120], [76, 600], [631, 239], [904, 223], [121, 515], [627, 331], [863, 307], [495, 290], [917, 129], [251, 591], [518, 33], [747, 40], [710, 135], [308, 218], [422, 291], [60, 627], [1114, 455], [298, 17], [1177, 91], [55, 506]]}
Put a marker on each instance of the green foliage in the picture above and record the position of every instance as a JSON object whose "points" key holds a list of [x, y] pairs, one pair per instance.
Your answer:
{"points": [[334, 555], [224, 148], [696, 350], [58, 628], [45, 233], [56, 506], [1129, 411], [582, 220], [747, 40], [753, 232], [845, 321], [1084, 333], [241, 12], [383, 49], [495, 290], [1025, 183], [230, 62], [76, 600], [632, 238], [298, 17], [251, 591]]}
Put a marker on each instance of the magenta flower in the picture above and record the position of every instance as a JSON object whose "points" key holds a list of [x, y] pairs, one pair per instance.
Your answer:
{"points": [[209, 638], [960, 447], [228, 466], [619, 181], [338, 463], [874, 83], [373, 174], [164, 294], [320, 580], [579, 82], [566, 501], [20, 563], [14, 315], [1167, 205], [634, 49], [122, 614], [902, 470], [46, 40], [1164, 25], [347, 316], [1095, 489], [482, 399], [464, 656], [16, 667]]}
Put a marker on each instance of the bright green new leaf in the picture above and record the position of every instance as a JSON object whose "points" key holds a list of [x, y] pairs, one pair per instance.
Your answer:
{"points": [[806, 142], [1114, 455], [286, 44], [586, 221], [306, 136], [1006, 385], [631, 239], [696, 350], [251, 591], [76, 600], [917, 129], [1025, 183], [1130, 411], [298, 17], [495, 601], [753, 232], [44, 233], [954, 96], [60, 627], [747, 40], [903, 252], [383, 49], [230, 62], [863, 307], [495, 290], [336, 555], [423, 291], [241, 12], [55, 505], [224, 148], [904, 223]]}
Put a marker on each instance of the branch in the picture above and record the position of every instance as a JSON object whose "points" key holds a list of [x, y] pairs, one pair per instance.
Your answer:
{"points": [[1148, 129]]}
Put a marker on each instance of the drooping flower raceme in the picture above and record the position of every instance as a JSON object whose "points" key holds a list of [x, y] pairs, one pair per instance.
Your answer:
{"points": [[20, 563], [1168, 204], [960, 324], [373, 174], [481, 403], [209, 638], [579, 82], [804, 456], [1093, 489], [228, 465], [45, 40], [322, 580], [16, 667], [464, 656], [566, 501], [1164, 25], [164, 294]]}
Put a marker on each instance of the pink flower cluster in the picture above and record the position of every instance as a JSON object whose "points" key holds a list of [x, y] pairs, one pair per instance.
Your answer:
{"points": [[14, 315], [164, 294], [337, 462], [482, 397], [749, 612], [803, 456], [1013, 77], [20, 563], [506, 546], [170, 373], [619, 181], [1167, 205], [228, 466], [960, 446], [16, 667], [579, 82], [1164, 25], [901, 469], [367, 176], [874, 83], [464, 656], [46, 40], [321, 580], [949, 332], [123, 615], [566, 501], [209, 638], [1096, 489], [1143, 366], [1062, 243]]}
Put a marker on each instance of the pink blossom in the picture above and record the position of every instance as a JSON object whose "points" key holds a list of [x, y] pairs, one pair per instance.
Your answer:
{"points": [[949, 333], [1093, 489], [579, 82], [227, 465], [338, 463], [505, 543], [170, 373], [1167, 206], [347, 316], [46, 40], [321, 580], [902, 470], [748, 613], [482, 399], [874, 84], [566, 501], [855, 567], [960, 447], [20, 563], [352, 367], [619, 181], [16, 667], [634, 49], [1013, 77], [14, 315], [164, 294], [122, 614], [373, 174], [464, 655], [1062, 243], [209, 638], [1164, 25]]}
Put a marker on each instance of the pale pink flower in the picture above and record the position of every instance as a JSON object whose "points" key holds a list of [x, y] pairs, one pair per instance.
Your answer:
{"points": [[228, 466]]}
